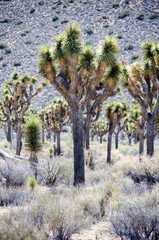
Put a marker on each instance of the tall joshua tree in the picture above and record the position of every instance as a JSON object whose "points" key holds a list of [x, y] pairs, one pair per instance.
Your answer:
{"points": [[102, 128], [33, 141], [56, 116], [137, 119], [20, 92], [115, 111], [142, 82], [78, 84]]}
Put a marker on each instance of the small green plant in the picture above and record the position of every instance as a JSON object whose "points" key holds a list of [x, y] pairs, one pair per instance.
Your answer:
{"points": [[42, 24], [106, 25], [140, 16], [89, 31], [3, 45], [129, 47], [41, 2], [4, 64], [127, 1], [24, 33], [88, 43], [19, 22], [56, 26], [55, 18], [16, 64], [115, 5], [64, 21], [153, 16], [110, 32], [120, 36], [5, 20], [28, 41], [51, 151], [1, 57], [7, 50], [32, 10], [123, 14], [32, 182], [134, 57]]}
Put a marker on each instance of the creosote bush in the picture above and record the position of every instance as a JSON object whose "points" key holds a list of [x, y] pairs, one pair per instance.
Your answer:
{"points": [[124, 14]]}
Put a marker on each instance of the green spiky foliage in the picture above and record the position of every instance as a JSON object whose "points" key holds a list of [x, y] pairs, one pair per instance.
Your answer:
{"points": [[46, 57], [114, 73], [33, 135], [58, 52], [72, 42], [108, 51], [149, 50], [101, 127], [86, 60], [115, 110]]}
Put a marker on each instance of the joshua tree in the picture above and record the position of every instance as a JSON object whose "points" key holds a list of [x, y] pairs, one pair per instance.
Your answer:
{"points": [[137, 119], [5, 113], [55, 117], [102, 128], [142, 82], [130, 130], [121, 126], [20, 92], [33, 141], [78, 81], [115, 111]]}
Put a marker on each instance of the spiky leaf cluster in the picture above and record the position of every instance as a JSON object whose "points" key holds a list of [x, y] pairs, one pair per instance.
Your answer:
{"points": [[86, 60], [117, 108], [33, 135]]}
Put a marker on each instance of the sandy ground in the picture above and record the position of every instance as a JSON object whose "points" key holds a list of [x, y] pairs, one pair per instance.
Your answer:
{"points": [[98, 231]]}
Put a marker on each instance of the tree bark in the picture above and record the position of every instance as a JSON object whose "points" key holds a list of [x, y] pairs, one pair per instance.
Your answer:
{"points": [[33, 163], [78, 134], [109, 147], [101, 139], [19, 133], [87, 127], [141, 143], [116, 140], [9, 131], [43, 135], [129, 139], [54, 144], [150, 137], [58, 144]]}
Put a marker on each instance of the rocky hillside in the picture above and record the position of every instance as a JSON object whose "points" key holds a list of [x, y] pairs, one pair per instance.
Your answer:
{"points": [[27, 25]]}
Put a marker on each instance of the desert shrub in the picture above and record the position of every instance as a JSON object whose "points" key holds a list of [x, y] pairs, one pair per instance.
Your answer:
{"points": [[123, 14], [28, 41], [106, 25], [14, 174], [64, 21], [1, 57], [4, 64], [134, 57], [89, 31], [5, 20], [14, 196], [115, 5], [127, 1], [49, 172], [110, 32], [24, 33], [32, 10], [90, 160], [41, 2], [19, 22], [3, 45], [153, 16], [129, 47], [140, 16], [55, 18], [32, 182], [17, 63], [137, 219], [120, 36], [7, 50]]}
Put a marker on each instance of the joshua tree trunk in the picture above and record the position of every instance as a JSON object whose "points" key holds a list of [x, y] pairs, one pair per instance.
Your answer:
{"points": [[109, 147], [141, 143], [101, 139], [150, 136], [78, 133], [58, 144], [87, 127], [9, 131], [116, 140], [54, 144], [43, 135], [129, 136], [92, 137], [19, 133], [33, 163]]}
